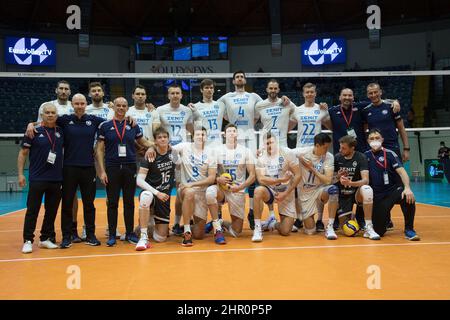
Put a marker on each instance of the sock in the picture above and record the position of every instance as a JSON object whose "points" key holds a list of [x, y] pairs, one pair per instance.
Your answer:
{"points": [[177, 219], [217, 225], [187, 228], [258, 224], [144, 231], [331, 221], [251, 204], [271, 213], [368, 222], [320, 210]]}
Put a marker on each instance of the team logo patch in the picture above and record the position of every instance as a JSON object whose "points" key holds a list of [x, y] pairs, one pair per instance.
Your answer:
{"points": [[355, 163], [355, 109], [381, 158], [238, 156], [148, 115], [171, 156], [384, 112], [88, 123], [280, 159], [57, 135], [128, 127], [338, 112], [370, 113], [316, 111], [216, 106], [182, 113]]}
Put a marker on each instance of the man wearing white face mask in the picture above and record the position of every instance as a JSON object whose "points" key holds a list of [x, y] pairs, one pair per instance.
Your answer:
{"points": [[384, 169]]}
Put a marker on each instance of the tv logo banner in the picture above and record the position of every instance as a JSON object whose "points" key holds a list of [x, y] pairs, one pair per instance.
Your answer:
{"points": [[30, 51], [323, 51]]}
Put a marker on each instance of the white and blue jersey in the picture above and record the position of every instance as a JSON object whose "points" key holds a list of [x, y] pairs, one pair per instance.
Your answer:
{"points": [[102, 112], [309, 121], [210, 117], [174, 120], [144, 120]]}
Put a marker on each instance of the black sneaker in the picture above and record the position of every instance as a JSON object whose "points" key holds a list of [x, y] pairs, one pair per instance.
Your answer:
{"points": [[92, 241], [177, 230], [187, 240], [66, 243], [251, 219], [390, 226], [319, 226], [75, 238]]}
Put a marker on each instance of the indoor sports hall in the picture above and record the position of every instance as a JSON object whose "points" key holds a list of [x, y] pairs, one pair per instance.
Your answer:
{"points": [[332, 48]]}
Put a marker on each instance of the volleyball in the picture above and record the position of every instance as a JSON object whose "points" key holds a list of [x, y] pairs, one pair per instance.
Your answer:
{"points": [[350, 228], [226, 187]]}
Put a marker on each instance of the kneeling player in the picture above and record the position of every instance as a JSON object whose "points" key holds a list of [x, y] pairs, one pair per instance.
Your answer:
{"points": [[156, 179], [353, 182], [198, 171], [235, 160], [317, 175], [278, 174]]}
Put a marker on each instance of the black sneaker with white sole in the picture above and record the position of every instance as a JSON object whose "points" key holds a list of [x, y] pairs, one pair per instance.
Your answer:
{"points": [[92, 241]]}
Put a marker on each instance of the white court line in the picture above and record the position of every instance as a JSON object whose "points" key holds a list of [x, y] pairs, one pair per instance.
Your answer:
{"points": [[136, 254], [8, 213], [433, 205]]}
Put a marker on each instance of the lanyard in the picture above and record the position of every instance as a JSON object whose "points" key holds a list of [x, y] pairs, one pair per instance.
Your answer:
{"points": [[117, 130], [52, 142], [384, 166], [345, 117]]}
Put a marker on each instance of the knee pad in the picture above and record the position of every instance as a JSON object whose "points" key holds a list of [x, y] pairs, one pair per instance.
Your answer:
{"points": [[157, 237], [145, 200], [367, 194], [311, 231], [333, 193], [211, 195]]}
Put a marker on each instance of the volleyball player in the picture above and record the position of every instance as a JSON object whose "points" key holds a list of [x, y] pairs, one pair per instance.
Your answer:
{"points": [[352, 173], [237, 161], [98, 107], [198, 171], [177, 119], [309, 118], [156, 179], [315, 186], [62, 103], [278, 174]]}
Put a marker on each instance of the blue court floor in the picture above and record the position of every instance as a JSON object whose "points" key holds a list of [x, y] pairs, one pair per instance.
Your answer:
{"points": [[434, 193]]}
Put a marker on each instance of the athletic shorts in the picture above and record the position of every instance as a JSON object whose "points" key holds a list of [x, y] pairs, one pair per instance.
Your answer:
{"points": [[286, 207], [236, 203], [160, 209], [200, 205], [309, 201]]}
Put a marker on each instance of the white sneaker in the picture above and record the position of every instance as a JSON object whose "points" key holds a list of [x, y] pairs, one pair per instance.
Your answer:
{"points": [[47, 244], [329, 233], [257, 235], [83, 234], [370, 233], [143, 243], [27, 247]]}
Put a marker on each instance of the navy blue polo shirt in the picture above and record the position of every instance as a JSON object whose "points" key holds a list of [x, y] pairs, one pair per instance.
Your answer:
{"points": [[107, 133], [40, 146], [79, 138], [340, 125], [383, 118], [376, 172]]}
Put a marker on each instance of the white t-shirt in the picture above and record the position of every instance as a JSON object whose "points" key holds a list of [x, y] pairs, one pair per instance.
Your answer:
{"points": [[194, 164], [174, 120], [309, 182], [309, 121], [211, 118], [240, 111], [102, 112], [234, 161], [145, 120], [275, 119], [61, 109]]}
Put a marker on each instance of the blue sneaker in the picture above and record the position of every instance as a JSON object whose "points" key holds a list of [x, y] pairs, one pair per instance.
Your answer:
{"points": [[219, 238], [411, 235], [111, 241], [177, 230], [66, 243], [265, 226], [208, 227], [132, 238], [92, 241]]}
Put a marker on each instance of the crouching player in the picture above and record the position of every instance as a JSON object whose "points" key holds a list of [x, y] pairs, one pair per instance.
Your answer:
{"points": [[234, 159], [316, 176], [352, 173], [156, 179], [278, 174]]}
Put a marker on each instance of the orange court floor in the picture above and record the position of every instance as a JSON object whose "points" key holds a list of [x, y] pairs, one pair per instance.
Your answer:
{"points": [[293, 267]]}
